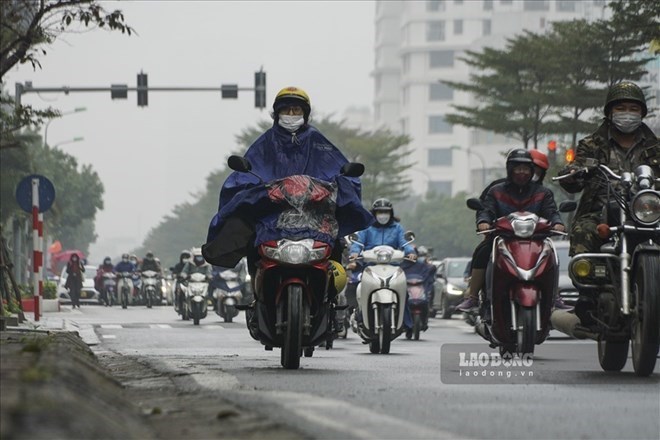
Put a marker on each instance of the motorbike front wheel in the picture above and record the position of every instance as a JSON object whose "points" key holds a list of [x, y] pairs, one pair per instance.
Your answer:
{"points": [[526, 330], [196, 312], [385, 331], [612, 355], [646, 315], [149, 298], [124, 298], [292, 347], [417, 327], [229, 313]]}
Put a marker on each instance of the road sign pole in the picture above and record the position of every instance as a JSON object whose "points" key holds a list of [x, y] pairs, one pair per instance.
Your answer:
{"points": [[37, 254]]}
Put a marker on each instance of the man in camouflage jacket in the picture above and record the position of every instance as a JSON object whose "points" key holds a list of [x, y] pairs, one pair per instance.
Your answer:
{"points": [[622, 142]]}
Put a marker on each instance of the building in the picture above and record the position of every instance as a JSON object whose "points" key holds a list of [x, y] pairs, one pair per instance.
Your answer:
{"points": [[417, 44]]}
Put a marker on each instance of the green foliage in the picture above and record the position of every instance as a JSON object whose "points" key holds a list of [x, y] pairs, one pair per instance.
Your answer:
{"points": [[50, 290], [443, 223]]}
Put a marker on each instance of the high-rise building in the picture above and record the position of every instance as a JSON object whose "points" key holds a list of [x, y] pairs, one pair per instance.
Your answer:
{"points": [[419, 43]]}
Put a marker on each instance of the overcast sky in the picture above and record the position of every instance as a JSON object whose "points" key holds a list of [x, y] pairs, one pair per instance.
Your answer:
{"points": [[153, 158]]}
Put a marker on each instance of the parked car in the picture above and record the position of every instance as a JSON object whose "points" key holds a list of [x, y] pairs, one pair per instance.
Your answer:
{"points": [[567, 290], [88, 294], [449, 285]]}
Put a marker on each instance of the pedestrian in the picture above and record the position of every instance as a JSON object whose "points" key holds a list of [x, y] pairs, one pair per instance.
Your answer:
{"points": [[74, 280]]}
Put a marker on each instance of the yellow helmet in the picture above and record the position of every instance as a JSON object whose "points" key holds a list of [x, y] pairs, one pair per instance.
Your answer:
{"points": [[292, 96], [339, 273]]}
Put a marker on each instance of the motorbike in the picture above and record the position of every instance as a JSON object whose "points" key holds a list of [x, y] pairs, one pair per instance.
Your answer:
{"points": [[125, 288], [293, 309], [150, 287], [227, 292], [109, 280], [619, 304], [196, 292], [381, 295], [521, 282], [418, 304]]}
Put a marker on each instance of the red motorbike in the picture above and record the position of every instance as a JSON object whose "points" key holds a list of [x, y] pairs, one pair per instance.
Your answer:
{"points": [[293, 309], [521, 282]]}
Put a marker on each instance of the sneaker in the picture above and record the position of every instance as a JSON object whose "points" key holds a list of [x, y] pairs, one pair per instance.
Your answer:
{"points": [[468, 304], [561, 305]]}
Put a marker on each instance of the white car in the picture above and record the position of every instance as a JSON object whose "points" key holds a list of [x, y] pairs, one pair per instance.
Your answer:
{"points": [[88, 294]]}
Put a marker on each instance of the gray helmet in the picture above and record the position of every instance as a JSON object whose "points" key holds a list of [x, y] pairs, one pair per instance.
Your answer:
{"points": [[422, 251], [625, 91]]}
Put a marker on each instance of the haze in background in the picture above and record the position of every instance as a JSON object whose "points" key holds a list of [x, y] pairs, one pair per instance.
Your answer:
{"points": [[153, 158]]}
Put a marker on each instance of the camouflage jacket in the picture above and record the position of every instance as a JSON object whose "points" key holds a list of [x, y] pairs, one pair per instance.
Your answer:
{"points": [[602, 147]]}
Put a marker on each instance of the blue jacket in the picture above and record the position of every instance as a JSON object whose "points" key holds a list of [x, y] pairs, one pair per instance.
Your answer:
{"points": [[376, 235], [125, 267], [277, 154]]}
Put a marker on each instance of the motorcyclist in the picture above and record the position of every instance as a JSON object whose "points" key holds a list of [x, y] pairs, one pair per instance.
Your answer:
{"points": [[184, 257], [386, 231], [105, 267], [125, 265], [425, 271], [622, 142], [517, 193], [197, 264], [290, 147], [137, 282], [149, 262]]}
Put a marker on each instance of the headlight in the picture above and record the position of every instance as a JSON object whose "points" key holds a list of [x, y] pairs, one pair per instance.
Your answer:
{"points": [[453, 290], [295, 252], [523, 228], [384, 256], [646, 207], [581, 268]]}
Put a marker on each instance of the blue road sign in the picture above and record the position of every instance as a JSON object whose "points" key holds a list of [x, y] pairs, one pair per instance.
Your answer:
{"points": [[24, 193]]}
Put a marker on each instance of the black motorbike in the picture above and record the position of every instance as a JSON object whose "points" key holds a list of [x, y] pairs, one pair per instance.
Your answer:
{"points": [[618, 304]]}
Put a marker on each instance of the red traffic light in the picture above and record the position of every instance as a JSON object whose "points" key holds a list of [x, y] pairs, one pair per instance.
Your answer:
{"points": [[552, 145]]}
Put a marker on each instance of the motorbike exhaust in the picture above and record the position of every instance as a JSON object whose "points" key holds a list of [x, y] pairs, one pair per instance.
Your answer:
{"points": [[569, 324]]}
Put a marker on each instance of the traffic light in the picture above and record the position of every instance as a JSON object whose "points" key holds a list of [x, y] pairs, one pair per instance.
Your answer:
{"points": [[260, 89], [552, 152], [118, 91], [143, 88], [229, 91]]}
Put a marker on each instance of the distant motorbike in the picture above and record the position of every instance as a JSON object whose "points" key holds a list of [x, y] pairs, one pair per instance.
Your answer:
{"points": [[619, 303], [125, 288], [151, 291], [521, 281], [109, 280], [381, 296], [196, 292], [227, 292], [418, 303]]}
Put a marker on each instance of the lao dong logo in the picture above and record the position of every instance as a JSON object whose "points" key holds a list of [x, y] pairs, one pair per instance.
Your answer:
{"points": [[482, 359]]}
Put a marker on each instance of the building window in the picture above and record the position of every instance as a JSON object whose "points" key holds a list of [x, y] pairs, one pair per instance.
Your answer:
{"points": [[536, 5], [440, 92], [441, 58], [506, 2], [441, 187], [566, 5], [487, 27], [458, 2], [458, 27], [404, 126], [435, 5], [438, 125], [404, 95], [435, 30], [406, 63], [440, 157], [488, 5], [542, 22]]}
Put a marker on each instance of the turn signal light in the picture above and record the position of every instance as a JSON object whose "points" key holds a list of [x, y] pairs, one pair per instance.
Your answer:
{"points": [[604, 231], [582, 268], [570, 155]]}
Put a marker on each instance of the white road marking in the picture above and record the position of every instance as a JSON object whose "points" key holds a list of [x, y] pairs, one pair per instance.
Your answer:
{"points": [[109, 337], [213, 327], [113, 326], [160, 326]]}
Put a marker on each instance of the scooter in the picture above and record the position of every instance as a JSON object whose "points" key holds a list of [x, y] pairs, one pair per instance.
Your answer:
{"points": [[227, 292], [293, 309], [150, 290], [196, 292], [521, 282], [418, 304], [125, 287], [109, 288], [381, 295]]}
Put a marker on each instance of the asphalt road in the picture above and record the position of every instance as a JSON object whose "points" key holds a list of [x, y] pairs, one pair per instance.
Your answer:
{"points": [[348, 393]]}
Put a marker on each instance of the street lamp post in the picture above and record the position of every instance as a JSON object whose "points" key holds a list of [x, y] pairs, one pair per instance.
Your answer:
{"points": [[75, 110], [69, 141]]}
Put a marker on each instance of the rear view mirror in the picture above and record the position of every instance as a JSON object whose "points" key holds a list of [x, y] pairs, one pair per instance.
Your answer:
{"points": [[409, 236], [474, 204], [239, 163], [352, 169]]}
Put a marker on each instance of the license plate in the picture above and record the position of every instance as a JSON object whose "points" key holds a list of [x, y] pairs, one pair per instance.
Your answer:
{"points": [[83, 294]]}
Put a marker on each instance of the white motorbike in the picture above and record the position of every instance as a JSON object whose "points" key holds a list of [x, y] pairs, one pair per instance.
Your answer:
{"points": [[381, 296], [125, 288], [194, 305], [227, 294], [150, 287]]}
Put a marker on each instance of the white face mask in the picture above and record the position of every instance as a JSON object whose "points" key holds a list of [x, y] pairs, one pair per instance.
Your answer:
{"points": [[383, 218], [626, 122], [291, 122]]}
